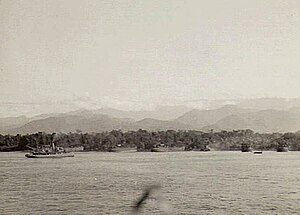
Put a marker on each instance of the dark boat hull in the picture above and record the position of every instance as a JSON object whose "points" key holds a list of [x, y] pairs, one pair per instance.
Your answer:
{"points": [[159, 150], [64, 155], [246, 150], [282, 150], [202, 150]]}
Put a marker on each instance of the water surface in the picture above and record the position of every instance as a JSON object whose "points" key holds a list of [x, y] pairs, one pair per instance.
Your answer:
{"points": [[192, 183]]}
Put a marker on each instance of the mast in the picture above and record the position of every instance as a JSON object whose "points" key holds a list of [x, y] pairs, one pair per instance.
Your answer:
{"points": [[53, 146]]}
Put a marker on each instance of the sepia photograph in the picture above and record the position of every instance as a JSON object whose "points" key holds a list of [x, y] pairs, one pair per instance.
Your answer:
{"points": [[131, 107]]}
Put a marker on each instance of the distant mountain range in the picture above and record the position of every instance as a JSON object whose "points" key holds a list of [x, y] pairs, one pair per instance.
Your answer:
{"points": [[104, 119], [283, 118], [201, 118], [161, 113], [264, 121]]}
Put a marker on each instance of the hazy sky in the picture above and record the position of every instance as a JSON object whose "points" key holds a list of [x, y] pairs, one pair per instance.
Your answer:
{"points": [[153, 52]]}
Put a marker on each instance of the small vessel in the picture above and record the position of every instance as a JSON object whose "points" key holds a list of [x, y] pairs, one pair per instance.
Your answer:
{"points": [[54, 155], [49, 152], [282, 148], [159, 148], [198, 148], [282, 145], [246, 147], [202, 149], [257, 152]]}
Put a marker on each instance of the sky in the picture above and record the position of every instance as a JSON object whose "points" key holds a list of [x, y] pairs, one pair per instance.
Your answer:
{"points": [[146, 53]]}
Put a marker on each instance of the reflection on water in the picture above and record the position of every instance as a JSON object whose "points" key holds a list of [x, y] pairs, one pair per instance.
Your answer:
{"points": [[192, 183]]}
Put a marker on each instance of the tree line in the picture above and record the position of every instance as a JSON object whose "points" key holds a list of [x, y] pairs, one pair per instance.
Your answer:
{"points": [[145, 140]]}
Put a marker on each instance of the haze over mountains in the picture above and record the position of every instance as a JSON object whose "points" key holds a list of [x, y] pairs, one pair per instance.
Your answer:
{"points": [[260, 115]]}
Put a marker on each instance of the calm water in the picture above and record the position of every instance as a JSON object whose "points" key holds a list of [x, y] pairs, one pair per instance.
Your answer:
{"points": [[192, 183]]}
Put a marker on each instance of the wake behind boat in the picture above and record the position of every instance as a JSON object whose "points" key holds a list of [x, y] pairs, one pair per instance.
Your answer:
{"points": [[49, 152]]}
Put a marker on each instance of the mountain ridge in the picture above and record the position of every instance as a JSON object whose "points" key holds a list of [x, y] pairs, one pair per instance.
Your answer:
{"points": [[228, 117]]}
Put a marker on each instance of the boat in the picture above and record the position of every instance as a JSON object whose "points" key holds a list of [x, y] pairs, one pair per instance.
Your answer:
{"points": [[282, 148], [197, 148], [47, 151], [246, 147], [159, 148], [257, 152], [55, 155], [282, 145], [202, 149]]}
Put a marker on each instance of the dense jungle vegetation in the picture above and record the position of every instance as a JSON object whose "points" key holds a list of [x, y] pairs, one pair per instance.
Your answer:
{"points": [[145, 140]]}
